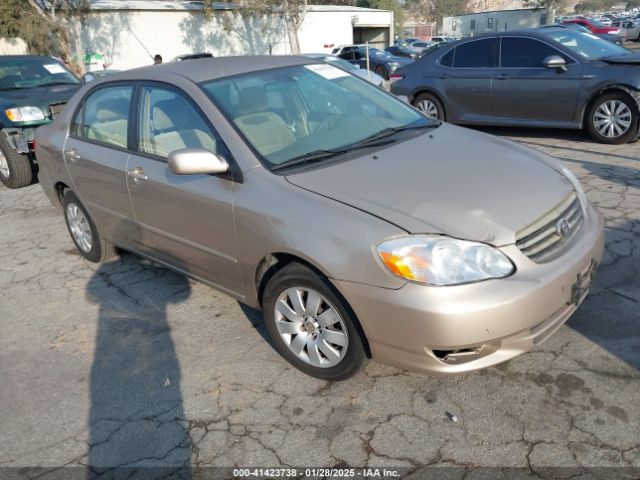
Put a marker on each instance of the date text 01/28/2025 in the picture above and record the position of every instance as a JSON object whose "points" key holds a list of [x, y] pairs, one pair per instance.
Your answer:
{"points": [[315, 472]]}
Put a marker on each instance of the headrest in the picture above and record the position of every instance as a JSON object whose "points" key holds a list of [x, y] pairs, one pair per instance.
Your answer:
{"points": [[252, 100], [108, 110], [169, 114]]}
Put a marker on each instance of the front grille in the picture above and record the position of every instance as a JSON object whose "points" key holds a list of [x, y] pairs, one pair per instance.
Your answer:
{"points": [[55, 109], [542, 241]]}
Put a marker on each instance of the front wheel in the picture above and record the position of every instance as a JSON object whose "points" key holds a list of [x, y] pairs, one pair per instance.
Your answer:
{"points": [[310, 325], [16, 170], [613, 118]]}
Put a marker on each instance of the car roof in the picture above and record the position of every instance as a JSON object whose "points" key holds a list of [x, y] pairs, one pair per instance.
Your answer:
{"points": [[205, 69]]}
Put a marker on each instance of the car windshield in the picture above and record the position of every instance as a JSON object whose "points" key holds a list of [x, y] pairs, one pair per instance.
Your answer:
{"points": [[33, 72], [586, 45], [309, 112]]}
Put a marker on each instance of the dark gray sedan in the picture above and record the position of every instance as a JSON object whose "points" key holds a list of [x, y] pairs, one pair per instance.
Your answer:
{"points": [[548, 77]]}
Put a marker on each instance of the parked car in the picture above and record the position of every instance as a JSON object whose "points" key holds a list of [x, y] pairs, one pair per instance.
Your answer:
{"points": [[594, 26], [629, 29], [546, 77], [441, 39], [97, 74], [33, 91], [420, 47], [609, 37], [380, 62], [358, 225], [368, 75], [402, 52]]}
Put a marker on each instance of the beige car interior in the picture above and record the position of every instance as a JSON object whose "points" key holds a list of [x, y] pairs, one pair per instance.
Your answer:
{"points": [[110, 122]]}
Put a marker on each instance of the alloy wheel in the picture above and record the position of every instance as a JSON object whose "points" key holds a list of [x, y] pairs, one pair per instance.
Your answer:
{"points": [[79, 227], [311, 327], [428, 107], [612, 118]]}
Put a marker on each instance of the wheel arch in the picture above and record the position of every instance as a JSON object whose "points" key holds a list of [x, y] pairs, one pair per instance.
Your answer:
{"points": [[274, 262], [626, 89], [60, 188]]}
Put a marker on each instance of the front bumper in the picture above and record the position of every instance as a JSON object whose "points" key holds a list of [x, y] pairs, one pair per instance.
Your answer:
{"points": [[467, 327]]}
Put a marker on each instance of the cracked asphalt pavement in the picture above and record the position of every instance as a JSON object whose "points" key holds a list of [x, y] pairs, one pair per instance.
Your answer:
{"points": [[129, 364]]}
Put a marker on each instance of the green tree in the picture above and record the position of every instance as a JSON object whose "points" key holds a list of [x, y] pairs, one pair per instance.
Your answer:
{"points": [[46, 26], [435, 10]]}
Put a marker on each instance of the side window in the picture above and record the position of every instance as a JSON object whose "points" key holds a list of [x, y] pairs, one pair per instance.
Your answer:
{"points": [[169, 122], [104, 116], [475, 54], [447, 59], [525, 53]]}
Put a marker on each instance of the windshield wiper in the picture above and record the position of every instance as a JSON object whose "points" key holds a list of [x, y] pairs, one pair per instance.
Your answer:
{"points": [[318, 155], [47, 84]]}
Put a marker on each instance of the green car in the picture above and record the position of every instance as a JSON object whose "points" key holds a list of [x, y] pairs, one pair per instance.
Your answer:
{"points": [[33, 91]]}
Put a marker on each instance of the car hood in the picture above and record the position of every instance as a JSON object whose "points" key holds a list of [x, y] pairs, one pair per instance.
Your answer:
{"points": [[39, 97], [451, 180], [633, 59]]}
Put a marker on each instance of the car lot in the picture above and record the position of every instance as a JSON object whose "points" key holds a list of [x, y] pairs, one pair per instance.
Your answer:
{"points": [[126, 363]]}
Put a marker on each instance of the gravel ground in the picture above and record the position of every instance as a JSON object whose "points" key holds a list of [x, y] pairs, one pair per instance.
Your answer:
{"points": [[128, 364]]}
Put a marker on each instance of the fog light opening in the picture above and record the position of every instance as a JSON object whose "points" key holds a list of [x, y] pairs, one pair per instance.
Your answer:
{"points": [[461, 355]]}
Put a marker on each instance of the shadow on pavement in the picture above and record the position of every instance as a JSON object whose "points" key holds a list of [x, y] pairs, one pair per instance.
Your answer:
{"points": [[136, 415]]}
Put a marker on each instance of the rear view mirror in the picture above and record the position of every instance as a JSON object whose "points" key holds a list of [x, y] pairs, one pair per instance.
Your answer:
{"points": [[357, 66], [193, 161], [556, 62]]}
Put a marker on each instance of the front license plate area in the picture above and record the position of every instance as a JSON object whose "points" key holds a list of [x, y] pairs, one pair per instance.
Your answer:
{"points": [[581, 286]]}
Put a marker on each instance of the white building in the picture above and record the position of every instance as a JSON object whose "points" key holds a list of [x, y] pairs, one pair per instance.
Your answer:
{"points": [[497, 21], [130, 32]]}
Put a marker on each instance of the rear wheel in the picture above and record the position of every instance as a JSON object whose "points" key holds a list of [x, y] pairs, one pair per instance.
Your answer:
{"points": [[83, 231], [613, 118], [16, 170], [310, 325], [430, 105]]}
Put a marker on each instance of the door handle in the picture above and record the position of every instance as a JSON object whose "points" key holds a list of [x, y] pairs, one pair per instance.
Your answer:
{"points": [[443, 76], [72, 155], [137, 174], [504, 76]]}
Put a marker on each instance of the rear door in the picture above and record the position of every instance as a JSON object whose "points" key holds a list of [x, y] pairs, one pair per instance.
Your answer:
{"points": [[465, 81], [96, 154], [185, 220], [525, 91]]}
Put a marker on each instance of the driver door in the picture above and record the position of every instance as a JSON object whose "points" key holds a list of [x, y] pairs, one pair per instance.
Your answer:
{"points": [[185, 221]]}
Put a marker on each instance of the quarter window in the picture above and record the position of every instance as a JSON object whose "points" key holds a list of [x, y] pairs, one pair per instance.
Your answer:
{"points": [[475, 54], [169, 122], [447, 59], [104, 117], [525, 53]]}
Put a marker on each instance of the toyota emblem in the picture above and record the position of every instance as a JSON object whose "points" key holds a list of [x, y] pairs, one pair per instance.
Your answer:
{"points": [[563, 228]]}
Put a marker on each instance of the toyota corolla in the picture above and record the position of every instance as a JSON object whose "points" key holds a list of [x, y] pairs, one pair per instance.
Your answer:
{"points": [[361, 227]]}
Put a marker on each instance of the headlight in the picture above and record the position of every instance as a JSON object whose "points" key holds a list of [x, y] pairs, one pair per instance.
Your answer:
{"points": [[24, 114], [440, 260]]}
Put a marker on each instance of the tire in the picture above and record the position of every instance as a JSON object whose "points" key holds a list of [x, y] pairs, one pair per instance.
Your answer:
{"points": [[352, 354], [597, 112], [380, 70], [16, 170], [98, 249], [423, 101]]}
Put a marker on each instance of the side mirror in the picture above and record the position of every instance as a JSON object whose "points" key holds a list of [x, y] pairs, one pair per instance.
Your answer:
{"points": [[88, 77], [357, 66], [556, 62], [193, 161]]}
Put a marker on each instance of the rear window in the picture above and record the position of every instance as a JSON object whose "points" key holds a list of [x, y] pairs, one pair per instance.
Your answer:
{"points": [[475, 54]]}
